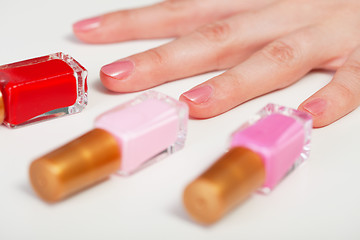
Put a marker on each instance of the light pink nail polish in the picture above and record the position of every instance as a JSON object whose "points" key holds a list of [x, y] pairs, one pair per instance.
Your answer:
{"points": [[87, 24], [316, 107], [199, 94], [119, 70], [125, 139]]}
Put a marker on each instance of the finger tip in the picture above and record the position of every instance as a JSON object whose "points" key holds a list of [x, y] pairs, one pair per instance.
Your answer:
{"points": [[318, 120], [117, 76], [87, 37], [120, 85], [88, 24], [88, 30], [109, 82], [193, 113], [196, 111], [200, 100]]}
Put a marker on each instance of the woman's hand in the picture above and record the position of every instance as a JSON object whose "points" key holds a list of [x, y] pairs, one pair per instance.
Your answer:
{"points": [[265, 45]]}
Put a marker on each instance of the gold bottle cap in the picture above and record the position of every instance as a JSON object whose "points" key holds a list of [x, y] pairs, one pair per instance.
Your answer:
{"points": [[83, 162], [225, 184], [2, 109]]}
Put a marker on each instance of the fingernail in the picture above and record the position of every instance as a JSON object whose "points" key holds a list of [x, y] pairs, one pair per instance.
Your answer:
{"points": [[316, 107], [87, 24], [199, 94], [119, 70]]}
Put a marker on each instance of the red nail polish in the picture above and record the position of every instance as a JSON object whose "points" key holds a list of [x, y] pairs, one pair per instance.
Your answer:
{"points": [[41, 88]]}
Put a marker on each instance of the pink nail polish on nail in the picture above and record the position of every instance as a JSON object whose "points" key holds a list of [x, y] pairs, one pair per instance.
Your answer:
{"points": [[87, 24], [316, 107], [199, 94], [119, 70]]}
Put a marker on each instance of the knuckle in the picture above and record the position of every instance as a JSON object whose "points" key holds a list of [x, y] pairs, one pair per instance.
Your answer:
{"points": [[231, 79], [346, 92], [282, 53], [350, 89], [156, 56], [216, 32], [352, 68]]}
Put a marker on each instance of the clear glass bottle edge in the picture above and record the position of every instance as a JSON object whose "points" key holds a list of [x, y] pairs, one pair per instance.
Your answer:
{"points": [[80, 74]]}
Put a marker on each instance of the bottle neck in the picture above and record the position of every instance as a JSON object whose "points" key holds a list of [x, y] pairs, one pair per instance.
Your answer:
{"points": [[2, 108]]}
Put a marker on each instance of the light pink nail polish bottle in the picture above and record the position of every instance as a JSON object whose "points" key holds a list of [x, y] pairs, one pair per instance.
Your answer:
{"points": [[263, 151], [125, 139]]}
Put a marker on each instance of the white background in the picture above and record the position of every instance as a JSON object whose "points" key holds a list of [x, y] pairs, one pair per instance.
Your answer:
{"points": [[318, 201]]}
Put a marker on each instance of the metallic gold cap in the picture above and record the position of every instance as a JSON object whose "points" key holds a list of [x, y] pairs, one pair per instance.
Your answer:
{"points": [[2, 109], [225, 184], [75, 166]]}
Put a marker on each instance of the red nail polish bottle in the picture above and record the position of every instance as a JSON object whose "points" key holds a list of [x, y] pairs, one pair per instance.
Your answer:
{"points": [[41, 88]]}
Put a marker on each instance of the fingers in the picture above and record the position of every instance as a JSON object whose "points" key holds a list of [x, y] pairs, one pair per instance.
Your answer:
{"points": [[212, 47], [339, 97], [276, 66], [196, 53], [166, 19]]}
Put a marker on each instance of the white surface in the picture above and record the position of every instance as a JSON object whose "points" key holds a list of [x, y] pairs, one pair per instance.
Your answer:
{"points": [[318, 201]]}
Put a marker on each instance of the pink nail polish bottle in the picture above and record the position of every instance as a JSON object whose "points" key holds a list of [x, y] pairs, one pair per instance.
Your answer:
{"points": [[263, 151], [125, 139]]}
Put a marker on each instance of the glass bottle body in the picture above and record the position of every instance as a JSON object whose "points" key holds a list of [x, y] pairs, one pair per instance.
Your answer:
{"points": [[42, 88]]}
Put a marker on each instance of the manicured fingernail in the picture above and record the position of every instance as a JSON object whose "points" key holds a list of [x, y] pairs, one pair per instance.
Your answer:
{"points": [[119, 70], [87, 24], [316, 107], [199, 94]]}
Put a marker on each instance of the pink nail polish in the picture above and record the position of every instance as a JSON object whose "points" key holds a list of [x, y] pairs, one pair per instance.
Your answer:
{"points": [[87, 24], [316, 107], [263, 151], [119, 70], [200, 94], [125, 140]]}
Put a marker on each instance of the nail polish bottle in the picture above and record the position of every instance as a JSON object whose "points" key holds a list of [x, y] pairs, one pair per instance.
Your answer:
{"points": [[41, 88], [263, 151], [124, 140]]}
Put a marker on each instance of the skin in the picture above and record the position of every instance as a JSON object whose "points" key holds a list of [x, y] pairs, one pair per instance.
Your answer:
{"points": [[263, 45]]}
